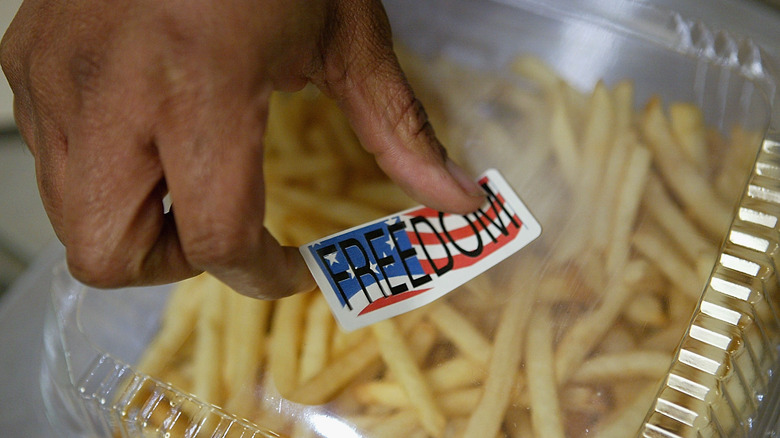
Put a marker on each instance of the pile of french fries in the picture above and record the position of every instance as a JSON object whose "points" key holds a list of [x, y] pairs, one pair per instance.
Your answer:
{"points": [[569, 337]]}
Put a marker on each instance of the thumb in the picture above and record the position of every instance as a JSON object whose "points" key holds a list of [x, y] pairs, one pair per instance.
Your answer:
{"points": [[362, 73]]}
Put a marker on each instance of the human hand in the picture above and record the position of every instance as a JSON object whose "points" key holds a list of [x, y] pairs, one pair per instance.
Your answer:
{"points": [[123, 102]]}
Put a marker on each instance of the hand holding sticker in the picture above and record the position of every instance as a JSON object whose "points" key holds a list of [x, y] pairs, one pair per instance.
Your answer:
{"points": [[404, 261]]}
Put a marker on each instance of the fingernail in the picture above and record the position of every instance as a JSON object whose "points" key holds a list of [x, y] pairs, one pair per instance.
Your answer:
{"points": [[465, 180]]}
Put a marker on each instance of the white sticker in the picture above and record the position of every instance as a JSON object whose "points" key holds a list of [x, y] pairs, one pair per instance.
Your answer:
{"points": [[404, 261]]}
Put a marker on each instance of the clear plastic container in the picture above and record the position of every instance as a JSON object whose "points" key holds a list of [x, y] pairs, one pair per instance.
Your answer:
{"points": [[723, 356]]}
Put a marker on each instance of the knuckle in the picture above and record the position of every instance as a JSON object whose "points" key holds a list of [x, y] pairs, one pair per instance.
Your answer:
{"points": [[411, 123], [10, 54], [101, 269], [411, 119], [218, 246], [86, 68]]}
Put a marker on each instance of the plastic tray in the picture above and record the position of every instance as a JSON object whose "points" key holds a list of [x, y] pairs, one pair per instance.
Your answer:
{"points": [[722, 377]]}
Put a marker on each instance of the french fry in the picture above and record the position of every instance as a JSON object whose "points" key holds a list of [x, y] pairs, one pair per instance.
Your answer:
{"points": [[585, 334], [460, 332], [736, 163], [393, 198], [504, 360], [454, 373], [316, 338], [422, 337], [596, 141], [283, 359], [244, 348], [344, 341], [687, 124], [681, 175], [658, 250], [645, 310], [453, 403], [337, 210], [400, 361], [177, 324], [546, 416], [607, 199], [624, 365], [535, 70], [623, 95], [208, 348], [562, 137], [627, 206], [673, 221], [628, 421], [336, 375], [399, 424]]}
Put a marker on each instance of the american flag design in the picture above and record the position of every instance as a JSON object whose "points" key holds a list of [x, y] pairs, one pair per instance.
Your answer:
{"points": [[404, 261]]}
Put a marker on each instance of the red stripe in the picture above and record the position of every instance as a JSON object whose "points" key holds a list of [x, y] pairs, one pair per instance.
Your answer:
{"points": [[429, 238], [392, 299], [462, 260], [425, 212]]}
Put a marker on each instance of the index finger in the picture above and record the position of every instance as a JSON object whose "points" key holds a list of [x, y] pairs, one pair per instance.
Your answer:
{"points": [[360, 70]]}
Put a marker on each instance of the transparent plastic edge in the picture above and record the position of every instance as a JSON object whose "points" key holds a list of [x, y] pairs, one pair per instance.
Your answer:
{"points": [[675, 32], [96, 393], [729, 356], [668, 416]]}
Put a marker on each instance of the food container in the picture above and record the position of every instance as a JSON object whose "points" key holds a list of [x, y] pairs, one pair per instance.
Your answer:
{"points": [[722, 346]]}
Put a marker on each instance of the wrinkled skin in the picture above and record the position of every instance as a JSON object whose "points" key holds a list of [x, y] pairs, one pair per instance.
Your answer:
{"points": [[121, 102]]}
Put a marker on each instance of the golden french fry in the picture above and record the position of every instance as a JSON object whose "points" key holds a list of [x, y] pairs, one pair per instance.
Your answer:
{"points": [[400, 361], [454, 373], [339, 210], [422, 338], [736, 163], [618, 339], [687, 124], [546, 416], [656, 248], [283, 354], [681, 175], [504, 361], [588, 331], [336, 375], [607, 199], [399, 424], [596, 141], [673, 221], [316, 338], [646, 310], [628, 421], [461, 332], [393, 198], [624, 365], [623, 95], [562, 136], [635, 178], [208, 348], [583, 400], [244, 348], [177, 324], [344, 341], [453, 403], [534, 69]]}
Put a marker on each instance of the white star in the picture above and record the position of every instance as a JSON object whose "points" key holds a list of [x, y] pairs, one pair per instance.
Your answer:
{"points": [[373, 267], [351, 274], [391, 220], [331, 258], [390, 243]]}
